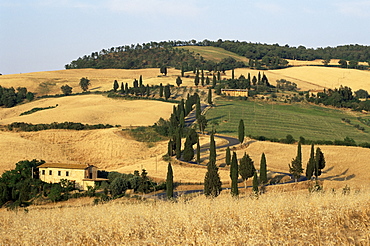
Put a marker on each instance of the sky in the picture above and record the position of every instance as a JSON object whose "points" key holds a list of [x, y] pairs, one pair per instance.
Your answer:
{"points": [[44, 35]]}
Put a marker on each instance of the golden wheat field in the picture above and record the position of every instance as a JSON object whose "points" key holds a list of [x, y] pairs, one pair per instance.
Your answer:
{"points": [[306, 77], [49, 82], [89, 109], [315, 78], [294, 218]]}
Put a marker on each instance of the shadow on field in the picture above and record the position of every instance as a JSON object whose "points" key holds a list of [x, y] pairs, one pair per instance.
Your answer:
{"points": [[224, 105], [340, 177], [217, 118]]}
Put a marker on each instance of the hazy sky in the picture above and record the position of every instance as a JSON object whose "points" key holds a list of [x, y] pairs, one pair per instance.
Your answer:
{"points": [[42, 35]]}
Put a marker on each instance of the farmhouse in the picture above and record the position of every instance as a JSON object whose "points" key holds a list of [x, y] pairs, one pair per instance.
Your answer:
{"points": [[235, 92], [82, 175], [315, 92]]}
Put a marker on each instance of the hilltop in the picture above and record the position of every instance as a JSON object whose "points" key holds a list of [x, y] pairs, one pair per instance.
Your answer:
{"points": [[218, 55]]}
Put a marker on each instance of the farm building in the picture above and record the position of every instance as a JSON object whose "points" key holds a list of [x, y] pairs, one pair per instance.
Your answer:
{"points": [[82, 175], [315, 92], [235, 92]]}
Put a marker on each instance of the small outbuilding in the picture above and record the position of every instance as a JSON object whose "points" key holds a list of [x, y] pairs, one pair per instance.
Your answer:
{"points": [[82, 175], [235, 92]]}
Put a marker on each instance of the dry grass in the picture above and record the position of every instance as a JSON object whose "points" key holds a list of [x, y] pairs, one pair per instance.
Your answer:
{"points": [[273, 219], [313, 78], [90, 109], [49, 82]]}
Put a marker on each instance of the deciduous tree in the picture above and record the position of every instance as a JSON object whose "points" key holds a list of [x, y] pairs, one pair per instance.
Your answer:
{"points": [[246, 168], [66, 89], [296, 166], [84, 83]]}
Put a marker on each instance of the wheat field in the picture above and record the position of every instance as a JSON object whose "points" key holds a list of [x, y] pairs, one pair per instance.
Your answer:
{"points": [[314, 78], [294, 218], [49, 82]]}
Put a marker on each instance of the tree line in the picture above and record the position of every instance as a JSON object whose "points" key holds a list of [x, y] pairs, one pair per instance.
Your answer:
{"points": [[270, 56], [9, 97], [28, 127], [342, 97]]}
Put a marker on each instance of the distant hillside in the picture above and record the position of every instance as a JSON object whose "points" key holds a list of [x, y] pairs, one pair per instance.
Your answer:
{"points": [[215, 54], [219, 55]]}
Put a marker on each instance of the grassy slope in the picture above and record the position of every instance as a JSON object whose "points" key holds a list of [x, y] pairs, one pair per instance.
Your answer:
{"points": [[214, 53], [277, 120]]}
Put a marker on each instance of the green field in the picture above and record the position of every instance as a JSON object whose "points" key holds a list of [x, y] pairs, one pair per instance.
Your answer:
{"points": [[278, 120], [215, 54]]}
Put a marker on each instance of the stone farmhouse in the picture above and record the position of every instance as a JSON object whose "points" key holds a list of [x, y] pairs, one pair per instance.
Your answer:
{"points": [[82, 175], [235, 92]]}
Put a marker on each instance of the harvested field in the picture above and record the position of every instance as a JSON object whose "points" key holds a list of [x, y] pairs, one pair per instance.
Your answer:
{"points": [[90, 109], [49, 82]]}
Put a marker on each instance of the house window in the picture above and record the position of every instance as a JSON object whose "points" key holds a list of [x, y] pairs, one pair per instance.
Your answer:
{"points": [[59, 173], [67, 173], [43, 172], [50, 172]]}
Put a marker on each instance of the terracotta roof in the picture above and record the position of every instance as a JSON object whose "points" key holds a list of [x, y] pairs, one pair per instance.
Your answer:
{"points": [[63, 165]]}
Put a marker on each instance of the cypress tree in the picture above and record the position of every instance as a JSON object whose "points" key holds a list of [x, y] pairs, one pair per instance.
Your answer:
{"points": [[202, 78], [170, 148], [115, 85], [241, 131], [212, 149], [319, 162], [207, 80], [214, 81], [218, 76], [169, 182], [232, 74], [263, 169], [234, 175], [196, 79], [255, 183], [167, 92], [311, 163], [197, 109], [127, 89], [182, 71], [147, 90], [178, 143], [122, 88], [178, 81], [296, 166], [212, 181], [228, 156], [210, 96], [140, 80], [188, 153], [160, 90], [198, 151], [182, 119], [246, 168]]}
